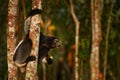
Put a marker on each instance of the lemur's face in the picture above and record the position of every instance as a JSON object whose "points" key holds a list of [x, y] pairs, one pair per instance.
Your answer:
{"points": [[49, 42], [52, 42]]}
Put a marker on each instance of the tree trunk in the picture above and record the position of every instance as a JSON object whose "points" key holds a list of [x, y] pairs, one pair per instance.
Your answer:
{"points": [[96, 39], [31, 70], [107, 41], [11, 41], [76, 39]]}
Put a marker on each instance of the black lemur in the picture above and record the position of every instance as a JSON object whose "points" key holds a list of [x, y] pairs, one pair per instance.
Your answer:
{"points": [[23, 50], [47, 43]]}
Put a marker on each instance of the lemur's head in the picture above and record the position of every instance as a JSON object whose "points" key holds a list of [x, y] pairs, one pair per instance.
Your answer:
{"points": [[49, 41]]}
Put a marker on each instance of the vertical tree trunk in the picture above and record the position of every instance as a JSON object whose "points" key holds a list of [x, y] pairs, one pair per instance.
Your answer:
{"points": [[11, 41], [31, 70], [24, 11], [107, 41], [76, 39], [96, 39]]}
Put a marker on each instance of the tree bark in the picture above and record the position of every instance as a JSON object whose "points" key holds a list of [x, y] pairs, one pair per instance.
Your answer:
{"points": [[31, 70], [11, 41], [96, 39], [76, 39]]}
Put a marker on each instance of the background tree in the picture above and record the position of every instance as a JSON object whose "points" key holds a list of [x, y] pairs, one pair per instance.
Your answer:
{"points": [[11, 40], [76, 40], [96, 39]]}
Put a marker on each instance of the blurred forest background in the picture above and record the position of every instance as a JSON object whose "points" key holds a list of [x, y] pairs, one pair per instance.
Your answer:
{"points": [[57, 20]]}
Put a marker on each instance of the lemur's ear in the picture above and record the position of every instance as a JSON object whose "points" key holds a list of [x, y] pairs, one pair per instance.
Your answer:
{"points": [[34, 12]]}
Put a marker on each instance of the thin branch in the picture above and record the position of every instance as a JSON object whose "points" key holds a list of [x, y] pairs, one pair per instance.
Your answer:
{"points": [[76, 39], [107, 41]]}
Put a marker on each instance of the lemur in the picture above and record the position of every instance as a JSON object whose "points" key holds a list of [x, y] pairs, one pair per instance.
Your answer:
{"points": [[23, 49]]}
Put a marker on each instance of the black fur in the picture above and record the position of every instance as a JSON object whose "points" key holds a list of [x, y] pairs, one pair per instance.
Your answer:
{"points": [[34, 12], [22, 51], [47, 43]]}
